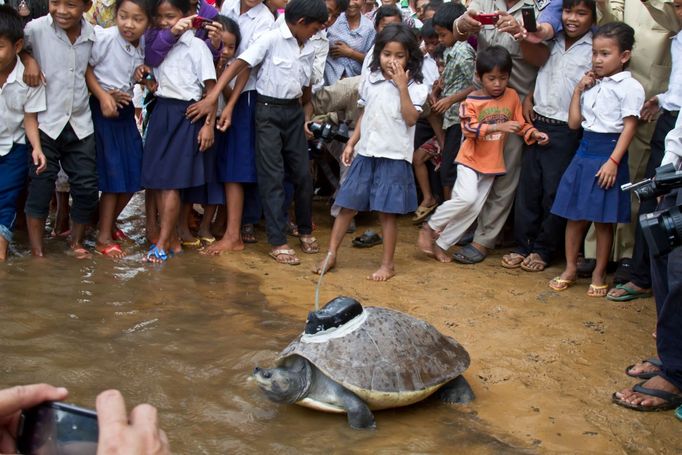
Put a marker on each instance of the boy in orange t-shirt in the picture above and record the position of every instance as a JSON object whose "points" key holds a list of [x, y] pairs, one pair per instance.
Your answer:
{"points": [[487, 116]]}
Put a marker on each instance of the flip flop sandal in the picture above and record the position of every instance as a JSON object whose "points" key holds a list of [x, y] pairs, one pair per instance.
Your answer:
{"points": [[630, 294], [559, 284], [309, 245], [672, 400], [469, 254], [248, 233], [595, 290], [422, 213], [108, 249], [512, 260], [528, 267], [368, 239], [196, 243], [678, 413], [156, 253], [207, 240], [645, 374], [279, 252]]}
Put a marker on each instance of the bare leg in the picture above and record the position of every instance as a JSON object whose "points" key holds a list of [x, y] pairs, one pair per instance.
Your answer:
{"points": [[604, 232], [152, 209], [220, 224], [389, 227], [341, 224], [436, 122], [170, 211], [122, 200], [185, 234], [232, 240], [575, 232], [61, 221], [76, 243], [422, 174], [205, 226], [4, 244], [107, 216], [36, 226]]}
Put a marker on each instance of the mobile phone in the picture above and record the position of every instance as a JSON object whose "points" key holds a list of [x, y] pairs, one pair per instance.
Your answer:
{"points": [[528, 14], [487, 19], [200, 22], [57, 428]]}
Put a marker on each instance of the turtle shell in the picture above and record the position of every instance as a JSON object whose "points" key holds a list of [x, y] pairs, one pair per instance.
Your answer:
{"points": [[389, 358]]}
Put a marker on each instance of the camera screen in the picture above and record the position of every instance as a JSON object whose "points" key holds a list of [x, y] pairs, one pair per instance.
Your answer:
{"points": [[54, 431]]}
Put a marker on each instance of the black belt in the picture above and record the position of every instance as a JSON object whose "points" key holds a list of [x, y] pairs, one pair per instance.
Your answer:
{"points": [[277, 101], [549, 121], [673, 113]]}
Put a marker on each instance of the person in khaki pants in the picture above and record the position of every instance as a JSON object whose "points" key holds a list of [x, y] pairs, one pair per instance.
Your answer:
{"points": [[655, 23]]}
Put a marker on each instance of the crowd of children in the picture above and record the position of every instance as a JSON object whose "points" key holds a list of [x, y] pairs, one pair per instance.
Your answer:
{"points": [[230, 91]]}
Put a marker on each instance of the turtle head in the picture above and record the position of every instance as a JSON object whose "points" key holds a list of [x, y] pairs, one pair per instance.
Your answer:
{"points": [[287, 383]]}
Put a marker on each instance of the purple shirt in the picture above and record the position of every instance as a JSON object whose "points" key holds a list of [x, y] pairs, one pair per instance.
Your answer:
{"points": [[159, 41]]}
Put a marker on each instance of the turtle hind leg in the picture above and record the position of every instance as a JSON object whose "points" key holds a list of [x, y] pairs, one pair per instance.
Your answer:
{"points": [[359, 415], [456, 391]]}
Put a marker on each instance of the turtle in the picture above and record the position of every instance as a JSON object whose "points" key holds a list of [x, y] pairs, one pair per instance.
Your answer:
{"points": [[356, 360]]}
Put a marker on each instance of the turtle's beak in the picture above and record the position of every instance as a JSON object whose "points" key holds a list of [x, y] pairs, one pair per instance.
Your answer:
{"points": [[265, 374]]}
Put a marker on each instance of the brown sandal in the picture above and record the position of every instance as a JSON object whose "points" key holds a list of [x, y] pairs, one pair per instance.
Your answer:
{"points": [[285, 256], [309, 244]]}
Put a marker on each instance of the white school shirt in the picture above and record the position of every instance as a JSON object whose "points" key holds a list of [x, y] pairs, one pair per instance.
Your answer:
{"points": [[671, 100], [17, 98], [285, 67], [383, 131], [252, 24], [63, 65], [558, 77], [612, 98], [187, 65], [673, 146], [429, 71], [114, 59]]}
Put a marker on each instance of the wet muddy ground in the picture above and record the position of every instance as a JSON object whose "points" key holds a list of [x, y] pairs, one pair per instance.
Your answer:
{"points": [[186, 335]]}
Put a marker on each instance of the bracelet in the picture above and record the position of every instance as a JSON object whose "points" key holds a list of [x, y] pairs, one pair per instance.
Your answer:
{"points": [[457, 28], [611, 158]]}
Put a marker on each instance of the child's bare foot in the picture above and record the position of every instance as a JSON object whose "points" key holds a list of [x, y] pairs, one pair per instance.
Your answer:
{"points": [[4, 244], [79, 252], [112, 250], [425, 239], [440, 254], [319, 268], [224, 244], [384, 273]]}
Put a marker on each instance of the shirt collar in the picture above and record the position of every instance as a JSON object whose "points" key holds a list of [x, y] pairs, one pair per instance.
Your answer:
{"points": [[618, 76], [585, 39], [376, 77], [186, 38], [18, 69], [87, 30], [285, 30], [235, 8]]}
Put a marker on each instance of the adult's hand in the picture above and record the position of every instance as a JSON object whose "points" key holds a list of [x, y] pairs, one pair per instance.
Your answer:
{"points": [[13, 400], [119, 435], [468, 24]]}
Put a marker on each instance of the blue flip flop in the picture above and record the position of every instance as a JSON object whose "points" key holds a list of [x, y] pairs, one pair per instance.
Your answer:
{"points": [[469, 254], [678, 413], [157, 253]]}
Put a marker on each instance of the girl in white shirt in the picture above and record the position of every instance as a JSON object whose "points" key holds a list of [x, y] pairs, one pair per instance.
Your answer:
{"points": [[172, 153], [606, 103], [116, 54], [380, 177]]}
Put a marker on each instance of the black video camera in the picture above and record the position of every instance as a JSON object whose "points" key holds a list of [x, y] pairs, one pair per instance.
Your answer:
{"points": [[663, 229], [329, 132]]}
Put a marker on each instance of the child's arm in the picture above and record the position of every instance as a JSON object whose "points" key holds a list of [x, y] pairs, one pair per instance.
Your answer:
{"points": [[575, 117], [207, 133], [226, 116], [347, 155], [443, 104], [536, 54], [307, 102], [208, 105], [159, 42], [33, 76], [409, 112], [33, 136], [106, 101], [529, 133], [608, 171]]}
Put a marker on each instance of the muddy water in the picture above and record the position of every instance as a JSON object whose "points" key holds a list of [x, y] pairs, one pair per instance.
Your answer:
{"points": [[185, 337]]}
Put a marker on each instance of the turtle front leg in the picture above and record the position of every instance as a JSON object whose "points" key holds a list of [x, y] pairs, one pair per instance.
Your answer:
{"points": [[359, 415], [456, 391]]}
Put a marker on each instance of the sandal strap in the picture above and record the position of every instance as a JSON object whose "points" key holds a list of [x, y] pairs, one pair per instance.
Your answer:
{"points": [[672, 398]]}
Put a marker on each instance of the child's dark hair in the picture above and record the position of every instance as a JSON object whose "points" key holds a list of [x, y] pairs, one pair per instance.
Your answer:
{"points": [[434, 5], [427, 30], [439, 52], [620, 32], [447, 13], [591, 4], [341, 5], [399, 33], [147, 6], [386, 11], [230, 26], [308, 10], [11, 25], [493, 57], [183, 5]]}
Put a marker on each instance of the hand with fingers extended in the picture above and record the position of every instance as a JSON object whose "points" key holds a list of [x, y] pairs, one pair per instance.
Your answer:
{"points": [[606, 175], [16, 399], [120, 434]]}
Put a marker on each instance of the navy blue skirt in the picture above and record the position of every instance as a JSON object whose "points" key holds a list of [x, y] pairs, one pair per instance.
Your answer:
{"points": [[119, 149], [579, 196], [237, 146], [171, 159], [378, 184], [212, 192]]}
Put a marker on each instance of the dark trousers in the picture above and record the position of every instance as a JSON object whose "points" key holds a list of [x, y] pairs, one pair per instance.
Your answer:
{"points": [[77, 157], [448, 168], [640, 274], [253, 211], [13, 174], [536, 230], [281, 147], [666, 274]]}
